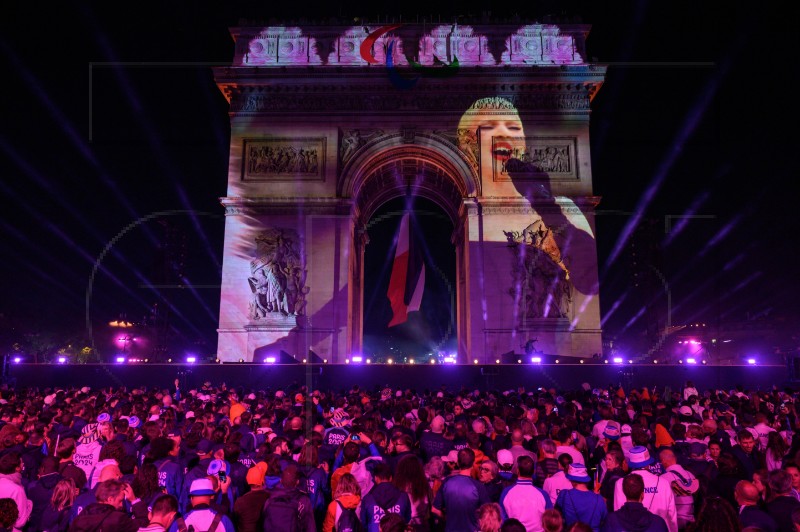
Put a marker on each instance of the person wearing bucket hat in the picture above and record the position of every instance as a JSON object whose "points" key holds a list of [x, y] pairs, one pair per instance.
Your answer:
{"points": [[87, 453], [580, 503], [612, 431], [202, 515], [658, 495]]}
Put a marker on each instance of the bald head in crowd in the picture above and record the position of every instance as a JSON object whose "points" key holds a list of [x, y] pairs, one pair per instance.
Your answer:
{"points": [[746, 493]]}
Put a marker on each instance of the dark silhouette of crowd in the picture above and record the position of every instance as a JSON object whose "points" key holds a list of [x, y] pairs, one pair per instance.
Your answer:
{"points": [[222, 458]]}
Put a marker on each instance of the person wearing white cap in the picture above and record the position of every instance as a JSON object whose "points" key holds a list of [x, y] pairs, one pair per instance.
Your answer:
{"points": [[658, 495], [201, 515], [580, 503], [524, 501]]}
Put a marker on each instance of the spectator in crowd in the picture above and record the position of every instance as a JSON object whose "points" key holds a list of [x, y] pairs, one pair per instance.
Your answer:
{"points": [[40, 491], [580, 504], [489, 517], [559, 481], [247, 510], [107, 513], [67, 468], [162, 514], [56, 515], [460, 496], [288, 509], [658, 497], [716, 515], [8, 514], [410, 478], [11, 487], [747, 497], [384, 498], [782, 502], [201, 515], [632, 515], [684, 486], [345, 504], [748, 454], [524, 501]]}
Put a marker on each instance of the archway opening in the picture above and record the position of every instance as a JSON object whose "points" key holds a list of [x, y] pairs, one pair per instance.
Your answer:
{"points": [[430, 332]]}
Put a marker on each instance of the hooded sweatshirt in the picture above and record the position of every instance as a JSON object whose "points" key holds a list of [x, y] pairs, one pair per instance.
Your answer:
{"points": [[348, 500], [40, 492], [11, 487], [87, 455], [384, 498], [634, 517]]}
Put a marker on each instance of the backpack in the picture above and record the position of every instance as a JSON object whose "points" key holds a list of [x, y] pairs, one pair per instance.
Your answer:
{"points": [[282, 513], [348, 520], [181, 524]]}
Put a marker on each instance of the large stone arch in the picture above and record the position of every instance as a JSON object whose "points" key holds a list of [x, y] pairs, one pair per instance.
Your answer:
{"points": [[393, 170]]}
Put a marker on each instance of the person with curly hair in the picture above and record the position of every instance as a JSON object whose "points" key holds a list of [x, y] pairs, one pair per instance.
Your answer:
{"points": [[8, 514]]}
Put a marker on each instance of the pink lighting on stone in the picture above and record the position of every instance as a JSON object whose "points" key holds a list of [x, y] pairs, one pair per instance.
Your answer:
{"points": [[364, 45]]}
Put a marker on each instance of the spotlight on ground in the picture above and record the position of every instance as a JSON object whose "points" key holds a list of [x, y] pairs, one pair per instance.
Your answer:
{"points": [[751, 361], [536, 360], [269, 360], [191, 360], [617, 360], [120, 360], [691, 361], [62, 360]]}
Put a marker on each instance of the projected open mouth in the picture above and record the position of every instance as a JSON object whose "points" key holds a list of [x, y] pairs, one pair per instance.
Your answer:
{"points": [[502, 151]]}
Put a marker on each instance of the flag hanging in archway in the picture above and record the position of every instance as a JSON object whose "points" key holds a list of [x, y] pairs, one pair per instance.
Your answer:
{"points": [[408, 274]]}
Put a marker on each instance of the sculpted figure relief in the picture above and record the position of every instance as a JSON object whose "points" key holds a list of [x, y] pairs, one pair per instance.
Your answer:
{"points": [[277, 276]]}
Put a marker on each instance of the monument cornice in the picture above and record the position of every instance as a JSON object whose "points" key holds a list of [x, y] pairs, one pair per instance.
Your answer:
{"points": [[237, 205], [520, 205]]}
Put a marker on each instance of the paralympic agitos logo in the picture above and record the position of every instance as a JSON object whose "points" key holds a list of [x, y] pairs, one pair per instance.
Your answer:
{"points": [[443, 71]]}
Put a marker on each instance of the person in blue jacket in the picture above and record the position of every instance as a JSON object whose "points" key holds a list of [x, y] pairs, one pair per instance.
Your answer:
{"points": [[384, 498]]}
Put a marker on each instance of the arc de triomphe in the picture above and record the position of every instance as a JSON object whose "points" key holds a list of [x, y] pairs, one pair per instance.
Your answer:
{"points": [[490, 122]]}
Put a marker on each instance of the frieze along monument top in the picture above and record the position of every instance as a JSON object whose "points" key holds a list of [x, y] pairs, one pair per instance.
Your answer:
{"points": [[488, 121]]}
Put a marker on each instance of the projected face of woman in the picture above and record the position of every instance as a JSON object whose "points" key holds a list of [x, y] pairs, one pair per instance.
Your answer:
{"points": [[509, 127]]}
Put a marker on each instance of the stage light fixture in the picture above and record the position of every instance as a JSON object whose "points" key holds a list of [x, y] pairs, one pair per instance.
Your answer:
{"points": [[433, 361], [346, 360], [325, 361], [120, 360], [680, 361], [605, 361], [305, 361], [191, 360], [751, 361], [169, 360], [705, 362], [62, 360], [269, 360], [240, 360], [557, 361], [617, 360], [475, 361], [581, 361], [390, 361], [148, 360], [691, 361], [630, 361], [497, 361], [358, 359], [449, 360], [536, 360], [17, 360], [655, 361], [410, 360]]}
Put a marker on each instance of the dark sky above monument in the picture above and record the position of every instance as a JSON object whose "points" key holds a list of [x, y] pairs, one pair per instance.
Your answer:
{"points": [[113, 131]]}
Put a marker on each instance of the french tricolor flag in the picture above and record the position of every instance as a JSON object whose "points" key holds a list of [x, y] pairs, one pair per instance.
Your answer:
{"points": [[408, 275]]}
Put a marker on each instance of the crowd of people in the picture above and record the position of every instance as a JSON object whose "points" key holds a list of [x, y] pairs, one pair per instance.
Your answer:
{"points": [[221, 458]]}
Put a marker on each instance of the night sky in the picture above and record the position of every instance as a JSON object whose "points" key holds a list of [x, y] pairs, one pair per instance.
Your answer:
{"points": [[114, 138]]}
